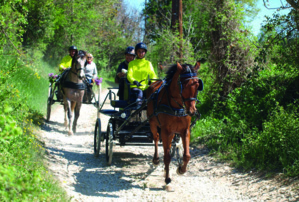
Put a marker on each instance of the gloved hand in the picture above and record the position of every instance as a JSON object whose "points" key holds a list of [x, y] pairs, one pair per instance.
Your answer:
{"points": [[137, 83]]}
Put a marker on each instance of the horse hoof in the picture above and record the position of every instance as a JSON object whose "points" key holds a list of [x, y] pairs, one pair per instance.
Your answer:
{"points": [[156, 162], [70, 133], [178, 171], [169, 188]]}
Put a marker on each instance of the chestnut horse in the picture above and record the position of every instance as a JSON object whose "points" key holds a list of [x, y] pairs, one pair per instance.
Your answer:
{"points": [[171, 104], [73, 91]]}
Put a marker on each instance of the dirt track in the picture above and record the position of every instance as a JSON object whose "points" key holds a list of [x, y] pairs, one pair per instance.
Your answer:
{"points": [[132, 176]]}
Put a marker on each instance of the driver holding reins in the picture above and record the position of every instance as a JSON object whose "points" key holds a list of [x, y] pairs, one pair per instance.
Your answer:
{"points": [[66, 62], [139, 71]]}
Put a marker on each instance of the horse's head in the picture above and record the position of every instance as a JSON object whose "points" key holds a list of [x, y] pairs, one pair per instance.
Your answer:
{"points": [[189, 84], [78, 63]]}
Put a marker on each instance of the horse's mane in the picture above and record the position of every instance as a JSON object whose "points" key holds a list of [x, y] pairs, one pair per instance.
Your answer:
{"points": [[173, 68]]}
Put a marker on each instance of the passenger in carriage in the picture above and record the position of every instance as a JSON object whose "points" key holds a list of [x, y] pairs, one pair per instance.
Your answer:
{"points": [[139, 71], [90, 73], [120, 77], [90, 69]]}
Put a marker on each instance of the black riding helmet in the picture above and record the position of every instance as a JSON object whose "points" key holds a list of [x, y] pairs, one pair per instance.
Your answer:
{"points": [[130, 50], [73, 48], [141, 46]]}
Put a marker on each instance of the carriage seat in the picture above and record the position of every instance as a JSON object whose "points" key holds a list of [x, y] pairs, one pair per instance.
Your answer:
{"points": [[119, 103], [128, 97]]}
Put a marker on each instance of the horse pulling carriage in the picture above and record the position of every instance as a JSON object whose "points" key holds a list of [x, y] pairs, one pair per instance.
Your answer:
{"points": [[54, 96], [127, 125], [164, 116], [75, 90]]}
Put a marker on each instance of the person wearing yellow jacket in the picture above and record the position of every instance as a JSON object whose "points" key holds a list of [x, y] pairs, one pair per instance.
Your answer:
{"points": [[66, 62], [139, 71]]}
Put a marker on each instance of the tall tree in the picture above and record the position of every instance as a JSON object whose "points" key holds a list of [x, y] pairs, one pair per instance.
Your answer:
{"points": [[13, 19], [232, 54]]}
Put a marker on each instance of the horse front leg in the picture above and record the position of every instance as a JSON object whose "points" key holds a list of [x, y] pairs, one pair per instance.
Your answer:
{"points": [[186, 157], [77, 114], [167, 139], [155, 133], [66, 106], [70, 115]]}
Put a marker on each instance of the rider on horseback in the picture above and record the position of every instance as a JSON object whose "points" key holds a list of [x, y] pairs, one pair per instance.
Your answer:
{"points": [[139, 71]]}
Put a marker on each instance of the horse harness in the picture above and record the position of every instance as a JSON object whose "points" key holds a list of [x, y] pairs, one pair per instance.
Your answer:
{"points": [[167, 109], [69, 84]]}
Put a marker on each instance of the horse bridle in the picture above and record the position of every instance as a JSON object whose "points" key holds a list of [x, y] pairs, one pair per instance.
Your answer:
{"points": [[191, 76], [77, 70]]}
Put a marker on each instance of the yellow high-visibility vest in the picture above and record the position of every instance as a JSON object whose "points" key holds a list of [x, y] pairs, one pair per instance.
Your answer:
{"points": [[66, 62], [139, 70]]}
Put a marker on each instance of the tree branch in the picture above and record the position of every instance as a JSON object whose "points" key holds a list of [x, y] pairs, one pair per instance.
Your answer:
{"points": [[10, 40]]}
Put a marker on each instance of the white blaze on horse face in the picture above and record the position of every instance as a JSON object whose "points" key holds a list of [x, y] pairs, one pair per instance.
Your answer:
{"points": [[190, 92], [81, 73]]}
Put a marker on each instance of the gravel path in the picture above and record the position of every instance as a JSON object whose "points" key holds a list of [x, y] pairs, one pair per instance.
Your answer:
{"points": [[131, 177]]}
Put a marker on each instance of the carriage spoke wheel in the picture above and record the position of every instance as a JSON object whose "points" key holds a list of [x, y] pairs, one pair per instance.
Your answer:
{"points": [[50, 102], [109, 143], [97, 138]]}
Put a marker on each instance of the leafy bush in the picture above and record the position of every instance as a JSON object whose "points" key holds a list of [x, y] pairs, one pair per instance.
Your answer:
{"points": [[22, 174], [257, 125], [23, 177]]}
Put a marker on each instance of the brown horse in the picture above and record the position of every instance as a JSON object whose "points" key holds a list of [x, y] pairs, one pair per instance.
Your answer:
{"points": [[171, 104], [73, 91]]}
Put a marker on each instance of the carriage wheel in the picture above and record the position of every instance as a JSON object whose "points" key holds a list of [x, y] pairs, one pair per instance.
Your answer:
{"points": [[109, 143], [50, 102], [97, 138]]}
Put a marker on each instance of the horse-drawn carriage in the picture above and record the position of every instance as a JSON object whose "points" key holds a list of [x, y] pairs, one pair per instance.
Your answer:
{"points": [[127, 125], [164, 116]]}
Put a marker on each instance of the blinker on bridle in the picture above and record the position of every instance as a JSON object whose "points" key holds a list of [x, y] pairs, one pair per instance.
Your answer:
{"points": [[189, 76]]}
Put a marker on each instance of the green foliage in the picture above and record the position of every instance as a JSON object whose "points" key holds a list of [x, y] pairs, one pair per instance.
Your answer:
{"points": [[257, 125], [12, 20], [157, 15], [32, 86], [164, 50], [23, 176]]}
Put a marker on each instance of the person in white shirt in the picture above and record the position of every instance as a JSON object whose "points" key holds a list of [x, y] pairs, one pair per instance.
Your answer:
{"points": [[90, 69], [91, 74]]}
